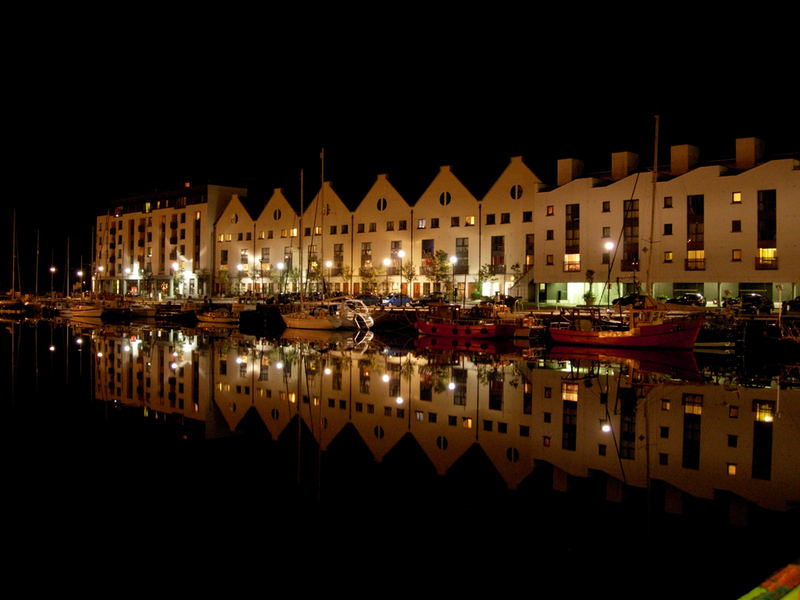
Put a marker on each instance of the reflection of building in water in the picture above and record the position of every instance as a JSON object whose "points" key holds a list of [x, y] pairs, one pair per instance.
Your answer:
{"points": [[695, 437], [162, 372]]}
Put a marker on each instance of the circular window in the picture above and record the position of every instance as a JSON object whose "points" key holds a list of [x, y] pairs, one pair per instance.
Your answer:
{"points": [[378, 431], [441, 442], [444, 198], [512, 454], [516, 192], [277, 214], [235, 218], [382, 204]]}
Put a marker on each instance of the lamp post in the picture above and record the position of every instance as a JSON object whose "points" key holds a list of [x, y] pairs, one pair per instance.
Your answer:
{"points": [[52, 272], [400, 255], [386, 263], [329, 264], [609, 246], [280, 277], [453, 261], [80, 277]]}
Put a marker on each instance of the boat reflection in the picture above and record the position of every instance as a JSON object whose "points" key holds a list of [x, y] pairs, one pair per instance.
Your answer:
{"points": [[637, 419]]}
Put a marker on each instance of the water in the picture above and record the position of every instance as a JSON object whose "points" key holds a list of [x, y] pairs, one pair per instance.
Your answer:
{"points": [[368, 464]]}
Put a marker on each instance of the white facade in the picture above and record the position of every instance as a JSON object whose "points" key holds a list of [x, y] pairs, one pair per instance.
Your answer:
{"points": [[719, 229]]}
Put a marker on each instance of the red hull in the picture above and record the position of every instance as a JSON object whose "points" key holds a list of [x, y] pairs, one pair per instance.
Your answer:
{"points": [[680, 334], [474, 331]]}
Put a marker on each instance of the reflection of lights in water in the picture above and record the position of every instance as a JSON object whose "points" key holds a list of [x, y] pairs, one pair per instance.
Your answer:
{"points": [[52, 348]]}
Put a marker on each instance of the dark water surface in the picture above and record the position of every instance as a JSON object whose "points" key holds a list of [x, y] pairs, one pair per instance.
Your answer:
{"points": [[194, 460]]}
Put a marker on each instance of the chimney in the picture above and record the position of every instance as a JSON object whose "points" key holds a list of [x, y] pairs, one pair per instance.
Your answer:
{"points": [[623, 164], [683, 159], [749, 152], [568, 170]]}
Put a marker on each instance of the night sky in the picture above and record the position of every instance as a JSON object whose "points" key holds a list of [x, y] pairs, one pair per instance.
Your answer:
{"points": [[100, 114]]}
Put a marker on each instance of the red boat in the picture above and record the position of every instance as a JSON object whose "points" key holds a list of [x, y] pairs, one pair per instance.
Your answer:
{"points": [[647, 327], [476, 323]]}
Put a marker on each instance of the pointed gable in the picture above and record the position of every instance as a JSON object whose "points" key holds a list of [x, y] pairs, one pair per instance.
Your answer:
{"points": [[277, 216], [381, 203], [515, 188]]}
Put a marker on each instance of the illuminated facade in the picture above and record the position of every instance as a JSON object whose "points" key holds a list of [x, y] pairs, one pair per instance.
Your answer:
{"points": [[720, 229]]}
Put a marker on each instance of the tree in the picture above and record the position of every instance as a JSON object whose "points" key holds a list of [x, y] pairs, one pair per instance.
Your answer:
{"points": [[440, 268], [485, 273], [408, 273]]}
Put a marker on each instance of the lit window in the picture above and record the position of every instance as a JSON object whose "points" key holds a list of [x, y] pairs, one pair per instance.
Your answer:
{"points": [[469, 221], [736, 255], [569, 391], [421, 224], [668, 256], [572, 262], [731, 469], [550, 210], [736, 198]]}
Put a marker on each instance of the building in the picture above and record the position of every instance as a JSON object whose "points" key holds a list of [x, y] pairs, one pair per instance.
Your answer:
{"points": [[720, 228], [161, 244]]}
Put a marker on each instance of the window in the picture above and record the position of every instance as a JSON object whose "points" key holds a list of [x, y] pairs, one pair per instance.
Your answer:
{"points": [[549, 259], [389, 225], [606, 232], [435, 223], [606, 206], [490, 219], [444, 198], [736, 198], [454, 221], [382, 204], [421, 223], [223, 257], [333, 229], [668, 256], [345, 228], [515, 192], [527, 216], [402, 225], [360, 228], [736, 226], [373, 227], [667, 201], [549, 234], [505, 218], [469, 221], [736, 255], [550, 211], [667, 228]]}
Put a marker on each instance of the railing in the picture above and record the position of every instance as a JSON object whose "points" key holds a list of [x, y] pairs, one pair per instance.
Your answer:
{"points": [[695, 264], [766, 263]]}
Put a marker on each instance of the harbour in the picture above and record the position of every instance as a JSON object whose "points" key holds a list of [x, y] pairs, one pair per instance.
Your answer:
{"points": [[639, 469]]}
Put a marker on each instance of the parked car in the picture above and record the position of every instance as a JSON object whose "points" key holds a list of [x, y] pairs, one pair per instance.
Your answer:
{"points": [[369, 299], [792, 305], [692, 299], [397, 300], [750, 303], [627, 300], [432, 298]]}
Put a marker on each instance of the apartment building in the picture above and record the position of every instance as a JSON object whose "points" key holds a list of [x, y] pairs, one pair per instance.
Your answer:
{"points": [[160, 245], [719, 228]]}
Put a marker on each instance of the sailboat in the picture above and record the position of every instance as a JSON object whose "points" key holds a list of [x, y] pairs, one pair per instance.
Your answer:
{"points": [[649, 325], [329, 315]]}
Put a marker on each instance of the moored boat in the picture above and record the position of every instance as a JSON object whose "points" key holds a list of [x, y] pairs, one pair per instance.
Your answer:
{"points": [[479, 322], [217, 315], [648, 326]]}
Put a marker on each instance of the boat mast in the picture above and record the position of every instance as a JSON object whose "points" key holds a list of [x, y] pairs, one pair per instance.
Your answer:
{"points": [[652, 209], [300, 242], [13, 253]]}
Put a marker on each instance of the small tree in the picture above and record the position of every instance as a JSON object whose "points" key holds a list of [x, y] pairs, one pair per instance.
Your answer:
{"points": [[588, 296], [408, 273], [485, 273]]}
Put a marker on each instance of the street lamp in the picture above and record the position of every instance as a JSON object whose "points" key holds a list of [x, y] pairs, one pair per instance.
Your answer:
{"points": [[386, 263], [281, 266], [453, 261], [400, 255], [329, 264], [609, 246], [52, 271]]}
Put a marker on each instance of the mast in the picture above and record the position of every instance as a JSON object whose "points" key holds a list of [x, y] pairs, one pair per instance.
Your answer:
{"points": [[652, 209], [300, 242], [13, 253]]}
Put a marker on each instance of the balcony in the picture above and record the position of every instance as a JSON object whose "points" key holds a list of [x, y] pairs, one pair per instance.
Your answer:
{"points": [[695, 264], [764, 263]]}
